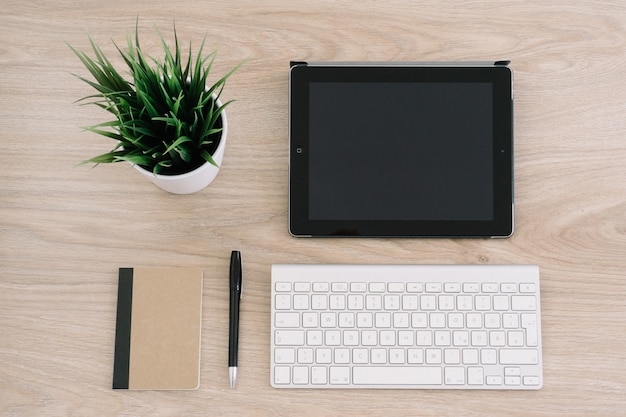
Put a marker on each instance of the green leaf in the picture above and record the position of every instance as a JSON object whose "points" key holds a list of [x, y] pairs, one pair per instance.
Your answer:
{"points": [[178, 142], [209, 158]]}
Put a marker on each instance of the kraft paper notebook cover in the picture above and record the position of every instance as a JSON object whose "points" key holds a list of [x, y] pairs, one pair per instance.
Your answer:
{"points": [[157, 339]]}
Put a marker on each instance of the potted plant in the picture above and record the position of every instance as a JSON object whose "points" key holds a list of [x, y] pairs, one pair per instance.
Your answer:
{"points": [[167, 121]]}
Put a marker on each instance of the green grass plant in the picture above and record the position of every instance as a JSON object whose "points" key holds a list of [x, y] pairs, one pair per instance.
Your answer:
{"points": [[166, 117]]}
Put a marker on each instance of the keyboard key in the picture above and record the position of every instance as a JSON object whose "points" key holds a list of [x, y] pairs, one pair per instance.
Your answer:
{"points": [[374, 302], [339, 375], [396, 356], [523, 303], [428, 302], [529, 322], [323, 356], [369, 338], [415, 356], [464, 302], [305, 355], [460, 338], [437, 320], [309, 320], [319, 375], [319, 302], [516, 339], [337, 302], [419, 320], [482, 302], [283, 302], [497, 338], [283, 286], [342, 356], [282, 375], [474, 320], [351, 338], [383, 320], [300, 375], [488, 356], [475, 375], [339, 287], [409, 302], [287, 320], [446, 302], [346, 320], [512, 371], [519, 356], [492, 320], [526, 287], [285, 355], [454, 375], [453, 287], [456, 320], [387, 338], [470, 357], [500, 302], [433, 356], [512, 380], [328, 320], [424, 338], [364, 320], [400, 320], [531, 380], [395, 287], [452, 357], [360, 287], [360, 356], [379, 356], [494, 380], [471, 287], [300, 302], [356, 302], [510, 320], [391, 302], [314, 338], [289, 338], [332, 338], [479, 338], [397, 375], [406, 338]]}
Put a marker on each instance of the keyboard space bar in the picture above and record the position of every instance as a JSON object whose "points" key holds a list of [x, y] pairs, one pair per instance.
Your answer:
{"points": [[396, 375]]}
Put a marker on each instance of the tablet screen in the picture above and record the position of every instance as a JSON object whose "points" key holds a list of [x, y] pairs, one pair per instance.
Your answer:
{"points": [[401, 151]]}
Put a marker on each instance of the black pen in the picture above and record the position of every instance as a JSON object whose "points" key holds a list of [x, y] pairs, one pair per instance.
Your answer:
{"points": [[233, 328]]}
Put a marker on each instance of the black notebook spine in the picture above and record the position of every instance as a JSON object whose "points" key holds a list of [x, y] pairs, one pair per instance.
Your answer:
{"points": [[121, 361]]}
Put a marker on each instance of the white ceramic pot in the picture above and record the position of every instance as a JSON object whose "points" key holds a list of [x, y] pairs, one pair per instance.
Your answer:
{"points": [[199, 178]]}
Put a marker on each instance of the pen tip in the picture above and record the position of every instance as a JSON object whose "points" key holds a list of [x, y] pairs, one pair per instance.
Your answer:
{"points": [[232, 376]]}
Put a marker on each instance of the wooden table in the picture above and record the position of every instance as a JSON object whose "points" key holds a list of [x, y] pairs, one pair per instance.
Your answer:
{"points": [[66, 229]]}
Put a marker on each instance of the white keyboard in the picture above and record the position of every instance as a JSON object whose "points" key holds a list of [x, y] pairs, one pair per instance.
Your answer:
{"points": [[406, 326]]}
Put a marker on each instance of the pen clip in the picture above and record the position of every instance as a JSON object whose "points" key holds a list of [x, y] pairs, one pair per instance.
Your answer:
{"points": [[236, 272]]}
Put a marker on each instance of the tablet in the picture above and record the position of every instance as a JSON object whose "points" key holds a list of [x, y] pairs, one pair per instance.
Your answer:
{"points": [[401, 150]]}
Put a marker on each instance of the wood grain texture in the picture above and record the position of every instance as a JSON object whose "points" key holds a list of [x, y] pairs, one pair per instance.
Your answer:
{"points": [[65, 229]]}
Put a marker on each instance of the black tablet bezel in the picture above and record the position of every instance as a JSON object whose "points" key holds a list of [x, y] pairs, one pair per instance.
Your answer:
{"points": [[499, 75]]}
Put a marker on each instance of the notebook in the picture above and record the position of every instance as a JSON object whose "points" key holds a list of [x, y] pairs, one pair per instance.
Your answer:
{"points": [[157, 340]]}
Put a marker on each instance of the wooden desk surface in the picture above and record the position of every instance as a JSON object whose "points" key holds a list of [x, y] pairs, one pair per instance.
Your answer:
{"points": [[65, 229]]}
